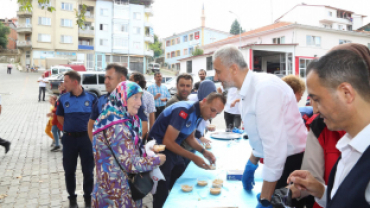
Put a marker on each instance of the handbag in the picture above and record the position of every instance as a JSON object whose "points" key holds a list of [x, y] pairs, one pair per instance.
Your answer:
{"points": [[140, 184]]}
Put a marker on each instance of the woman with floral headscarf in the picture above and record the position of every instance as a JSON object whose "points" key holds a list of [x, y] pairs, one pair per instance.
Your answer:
{"points": [[119, 126]]}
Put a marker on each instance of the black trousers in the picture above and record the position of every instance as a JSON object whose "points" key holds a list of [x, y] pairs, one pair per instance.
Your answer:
{"points": [[72, 147], [9, 71], [172, 169], [232, 120], [42, 90], [159, 111], [3, 142]]}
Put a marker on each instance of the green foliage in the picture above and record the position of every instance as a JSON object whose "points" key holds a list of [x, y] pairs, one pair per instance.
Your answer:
{"points": [[235, 28], [26, 5], [197, 52], [156, 47], [4, 32]]}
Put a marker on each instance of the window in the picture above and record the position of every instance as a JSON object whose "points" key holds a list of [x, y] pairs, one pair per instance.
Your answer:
{"points": [[66, 39], [89, 79], [45, 5], [28, 21], [101, 78], [90, 61], [191, 37], [104, 42], [327, 26], [330, 14], [168, 55], [120, 42], [313, 40], [99, 63], [191, 51], [103, 27], [137, 15], [209, 63], [340, 27], [168, 43], [54, 71], [173, 42], [44, 38], [137, 45], [279, 40], [344, 41], [104, 12], [303, 63], [349, 27], [66, 23], [185, 51], [178, 40], [44, 21], [185, 39], [189, 67], [120, 28], [177, 53], [137, 30], [67, 6], [172, 54]]}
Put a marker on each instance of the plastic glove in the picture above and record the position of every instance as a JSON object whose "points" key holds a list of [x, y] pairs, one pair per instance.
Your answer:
{"points": [[238, 131], [248, 176], [259, 205]]}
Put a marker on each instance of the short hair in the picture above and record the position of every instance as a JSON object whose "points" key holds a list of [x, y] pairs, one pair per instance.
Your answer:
{"points": [[215, 95], [341, 66], [155, 74], [202, 70], [73, 75], [230, 55], [196, 86], [296, 83], [184, 76], [118, 68], [139, 77]]}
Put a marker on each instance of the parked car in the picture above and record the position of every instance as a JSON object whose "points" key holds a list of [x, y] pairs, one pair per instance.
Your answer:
{"points": [[153, 67], [91, 81], [165, 80]]}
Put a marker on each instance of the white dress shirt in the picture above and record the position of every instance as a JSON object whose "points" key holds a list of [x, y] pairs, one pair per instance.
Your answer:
{"points": [[272, 120], [232, 95], [351, 149], [42, 84]]}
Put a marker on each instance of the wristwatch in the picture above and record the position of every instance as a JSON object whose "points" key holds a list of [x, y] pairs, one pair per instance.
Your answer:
{"points": [[265, 202]]}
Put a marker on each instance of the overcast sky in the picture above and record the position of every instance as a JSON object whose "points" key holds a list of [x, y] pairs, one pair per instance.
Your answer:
{"points": [[175, 16]]}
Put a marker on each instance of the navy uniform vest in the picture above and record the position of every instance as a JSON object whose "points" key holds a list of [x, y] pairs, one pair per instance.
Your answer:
{"points": [[351, 192]]}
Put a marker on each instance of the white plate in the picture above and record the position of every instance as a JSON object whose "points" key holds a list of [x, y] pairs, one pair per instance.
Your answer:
{"points": [[225, 135]]}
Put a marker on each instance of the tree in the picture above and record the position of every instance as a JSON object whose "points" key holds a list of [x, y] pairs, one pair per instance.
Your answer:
{"points": [[197, 52], [235, 28], [26, 5], [4, 32], [156, 47]]}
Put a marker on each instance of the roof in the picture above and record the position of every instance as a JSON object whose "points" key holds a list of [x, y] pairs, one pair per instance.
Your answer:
{"points": [[314, 6], [258, 30], [197, 28], [191, 57], [364, 28]]}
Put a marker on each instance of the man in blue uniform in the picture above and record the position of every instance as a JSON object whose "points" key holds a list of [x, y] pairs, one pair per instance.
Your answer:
{"points": [[176, 124], [73, 112], [114, 74]]}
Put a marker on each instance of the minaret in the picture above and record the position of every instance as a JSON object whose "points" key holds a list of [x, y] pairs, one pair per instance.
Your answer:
{"points": [[203, 18]]}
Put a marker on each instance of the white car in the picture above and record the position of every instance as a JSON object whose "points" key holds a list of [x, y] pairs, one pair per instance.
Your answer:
{"points": [[165, 80]]}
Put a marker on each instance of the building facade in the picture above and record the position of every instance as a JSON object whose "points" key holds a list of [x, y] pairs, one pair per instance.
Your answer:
{"points": [[13, 35], [182, 45]]}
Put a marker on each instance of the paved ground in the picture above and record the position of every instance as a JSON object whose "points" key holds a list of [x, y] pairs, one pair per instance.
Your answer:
{"points": [[31, 175]]}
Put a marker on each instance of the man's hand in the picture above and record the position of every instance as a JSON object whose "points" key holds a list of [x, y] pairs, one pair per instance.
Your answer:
{"points": [[157, 96], [49, 114], [296, 193], [204, 140], [200, 163], [303, 180], [209, 155]]}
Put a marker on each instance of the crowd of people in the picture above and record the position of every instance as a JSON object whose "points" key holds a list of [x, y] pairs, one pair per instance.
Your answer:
{"points": [[318, 152]]}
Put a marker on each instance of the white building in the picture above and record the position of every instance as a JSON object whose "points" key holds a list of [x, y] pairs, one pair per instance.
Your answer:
{"points": [[123, 33], [280, 48]]}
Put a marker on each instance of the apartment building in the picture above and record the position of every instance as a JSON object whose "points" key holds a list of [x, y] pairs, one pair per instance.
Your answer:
{"points": [[13, 35], [283, 47], [183, 44]]}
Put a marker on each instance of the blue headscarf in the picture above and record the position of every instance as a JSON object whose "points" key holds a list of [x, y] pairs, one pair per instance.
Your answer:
{"points": [[205, 88]]}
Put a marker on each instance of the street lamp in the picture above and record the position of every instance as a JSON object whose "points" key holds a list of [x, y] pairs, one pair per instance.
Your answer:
{"points": [[240, 28]]}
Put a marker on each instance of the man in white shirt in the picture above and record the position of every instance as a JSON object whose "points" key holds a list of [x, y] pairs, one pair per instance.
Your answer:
{"points": [[338, 84], [271, 118], [42, 86]]}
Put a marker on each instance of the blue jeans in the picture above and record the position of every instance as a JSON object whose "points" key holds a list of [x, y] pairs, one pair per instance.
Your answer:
{"points": [[56, 135]]}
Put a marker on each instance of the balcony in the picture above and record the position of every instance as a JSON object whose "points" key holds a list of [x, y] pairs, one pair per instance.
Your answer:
{"points": [[331, 20], [87, 32], [24, 28], [148, 24], [149, 39], [24, 14], [89, 16], [148, 11], [149, 53], [85, 47], [24, 44]]}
